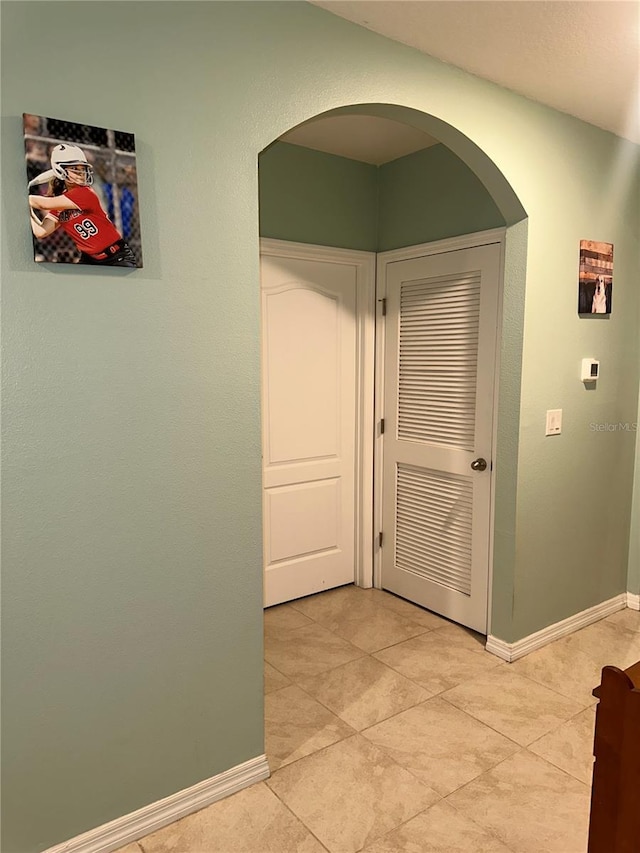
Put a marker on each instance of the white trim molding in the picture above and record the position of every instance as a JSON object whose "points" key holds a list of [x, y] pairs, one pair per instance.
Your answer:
{"points": [[513, 651], [633, 601], [128, 828], [449, 244]]}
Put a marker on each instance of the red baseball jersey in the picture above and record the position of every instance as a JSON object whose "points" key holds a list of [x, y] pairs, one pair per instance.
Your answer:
{"points": [[89, 227]]}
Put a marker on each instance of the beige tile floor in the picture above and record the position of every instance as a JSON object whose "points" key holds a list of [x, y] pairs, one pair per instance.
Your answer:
{"points": [[392, 730]]}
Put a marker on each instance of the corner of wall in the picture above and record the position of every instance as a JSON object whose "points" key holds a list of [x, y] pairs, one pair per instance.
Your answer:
{"points": [[507, 444], [633, 572]]}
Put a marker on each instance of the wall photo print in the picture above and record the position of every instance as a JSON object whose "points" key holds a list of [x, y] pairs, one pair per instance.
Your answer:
{"points": [[596, 277], [83, 193]]}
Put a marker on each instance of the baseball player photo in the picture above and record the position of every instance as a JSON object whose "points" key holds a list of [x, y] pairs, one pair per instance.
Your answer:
{"points": [[83, 193]]}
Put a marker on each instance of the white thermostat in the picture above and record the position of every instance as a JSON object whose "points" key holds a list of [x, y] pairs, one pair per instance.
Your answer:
{"points": [[590, 370]]}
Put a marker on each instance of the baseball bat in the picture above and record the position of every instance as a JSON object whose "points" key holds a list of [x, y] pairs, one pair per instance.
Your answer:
{"points": [[42, 178]]}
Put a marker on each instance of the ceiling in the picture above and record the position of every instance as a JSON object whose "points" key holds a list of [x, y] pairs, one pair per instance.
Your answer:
{"points": [[581, 57], [358, 137]]}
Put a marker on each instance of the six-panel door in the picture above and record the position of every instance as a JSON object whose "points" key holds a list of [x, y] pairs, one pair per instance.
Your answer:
{"points": [[309, 425]]}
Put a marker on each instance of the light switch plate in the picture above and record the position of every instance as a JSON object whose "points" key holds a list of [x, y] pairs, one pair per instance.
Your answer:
{"points": [[554, 422]]}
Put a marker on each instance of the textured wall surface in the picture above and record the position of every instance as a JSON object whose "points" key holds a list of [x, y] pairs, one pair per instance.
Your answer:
{"points": [[633, 580], [310, 197], [132, 579], [431, 195]]}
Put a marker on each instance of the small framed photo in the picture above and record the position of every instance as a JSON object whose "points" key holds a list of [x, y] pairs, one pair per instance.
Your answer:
{"points": [[83, 193], [595, 283]]}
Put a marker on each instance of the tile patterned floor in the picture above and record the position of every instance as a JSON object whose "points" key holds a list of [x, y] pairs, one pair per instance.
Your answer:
{"points": [[392, 730]]}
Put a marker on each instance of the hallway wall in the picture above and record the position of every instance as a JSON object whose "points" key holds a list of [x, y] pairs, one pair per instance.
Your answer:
{"points": [[132, 549], [308, 196], [311, 197], [633, 580], [431, 195]]}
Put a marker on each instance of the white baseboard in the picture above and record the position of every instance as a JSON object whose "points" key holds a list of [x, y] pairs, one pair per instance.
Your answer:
{"points": [[633, 601], [513, 651], [110, 836]]}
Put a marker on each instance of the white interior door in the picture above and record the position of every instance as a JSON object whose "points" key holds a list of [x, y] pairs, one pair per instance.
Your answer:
{"points": [[440, 354], [309, 371]]}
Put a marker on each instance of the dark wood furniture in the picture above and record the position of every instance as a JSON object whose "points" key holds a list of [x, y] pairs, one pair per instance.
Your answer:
{"points": [[614, 826]]}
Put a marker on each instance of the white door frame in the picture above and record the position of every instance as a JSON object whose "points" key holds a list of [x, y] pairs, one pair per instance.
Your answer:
{"points": [[365, 264], [452, 244]]}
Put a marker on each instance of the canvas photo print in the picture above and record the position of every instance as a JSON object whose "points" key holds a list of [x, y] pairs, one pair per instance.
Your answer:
{"points": [[595, 278], [83, 193]]}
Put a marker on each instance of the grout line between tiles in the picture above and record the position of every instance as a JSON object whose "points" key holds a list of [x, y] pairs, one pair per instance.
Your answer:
{"points": [[395, 713], [488, 725], [475, 822], [310, 755], [393, 761], [404, 823], [276, 669], [568, 720], [561, 769], [520, 748], [552, 729], [333, 714], [296, 818], [429, 698], [557, 692]]}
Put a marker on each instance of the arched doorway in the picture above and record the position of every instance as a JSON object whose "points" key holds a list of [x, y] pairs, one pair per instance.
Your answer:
{"points": [[500, 494]]}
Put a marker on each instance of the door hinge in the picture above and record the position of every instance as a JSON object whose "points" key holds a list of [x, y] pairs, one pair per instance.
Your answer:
{"points": [[381, 426], [384, 306], [380, 538]]}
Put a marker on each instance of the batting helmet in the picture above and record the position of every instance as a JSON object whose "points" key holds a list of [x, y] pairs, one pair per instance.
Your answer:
{"points": [[64, 156]]}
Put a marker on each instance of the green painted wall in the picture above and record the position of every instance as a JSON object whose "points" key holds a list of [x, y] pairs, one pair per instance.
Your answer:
{"points": [[633, 577], [311, 197], [633, 580], [574, 496], [132, 628], [431, 195]]}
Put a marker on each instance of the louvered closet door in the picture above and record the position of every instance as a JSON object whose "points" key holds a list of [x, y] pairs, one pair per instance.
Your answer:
{"points": [[439, 370]]}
